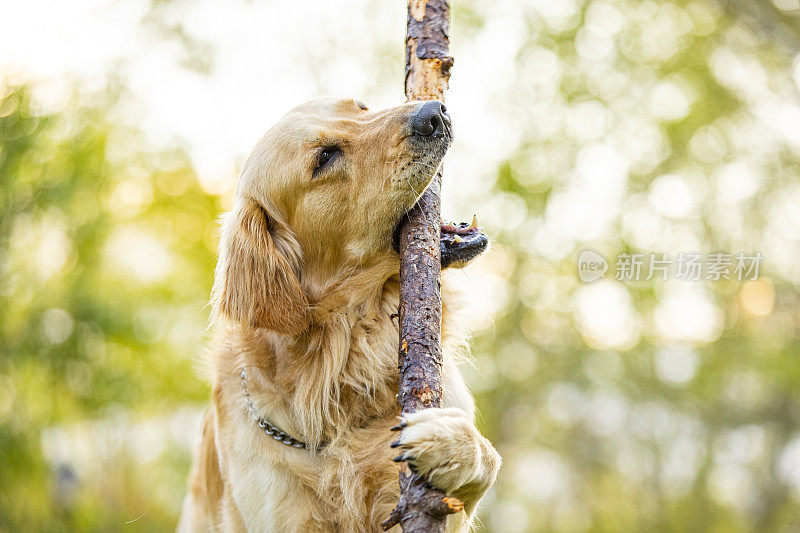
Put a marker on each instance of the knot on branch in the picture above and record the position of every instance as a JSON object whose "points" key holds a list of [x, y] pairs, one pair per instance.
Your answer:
{"points": [[421, 507]]}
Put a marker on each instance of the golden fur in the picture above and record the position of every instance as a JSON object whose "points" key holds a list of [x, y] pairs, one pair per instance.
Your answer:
{"points": [[304, 296]]}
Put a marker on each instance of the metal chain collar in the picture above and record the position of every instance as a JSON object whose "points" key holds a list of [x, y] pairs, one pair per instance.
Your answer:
{"points": [[269, 429]]}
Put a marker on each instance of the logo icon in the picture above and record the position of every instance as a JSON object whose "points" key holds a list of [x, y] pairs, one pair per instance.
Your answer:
{"points": [[591, 266]]}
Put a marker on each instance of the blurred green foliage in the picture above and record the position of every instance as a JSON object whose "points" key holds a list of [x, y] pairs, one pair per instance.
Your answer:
{"points": [[643, 406], [79, 339], [598, 433]]}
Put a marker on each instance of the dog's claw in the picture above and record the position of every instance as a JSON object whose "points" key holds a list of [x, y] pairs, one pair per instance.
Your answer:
{"points": [[399, 426], [399, 459], [395, 444]]}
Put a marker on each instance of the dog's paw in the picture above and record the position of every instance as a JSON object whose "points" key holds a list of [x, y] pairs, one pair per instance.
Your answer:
{"points": [[461, 243], [444, 446]]}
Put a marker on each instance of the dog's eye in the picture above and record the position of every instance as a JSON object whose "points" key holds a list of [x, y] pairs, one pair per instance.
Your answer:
{"points": [[328, 154]]}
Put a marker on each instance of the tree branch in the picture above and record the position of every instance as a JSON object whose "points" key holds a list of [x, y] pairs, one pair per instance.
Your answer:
{"points": [[422, 508]]}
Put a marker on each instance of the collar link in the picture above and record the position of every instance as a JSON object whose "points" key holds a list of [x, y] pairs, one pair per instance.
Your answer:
{"points": [[270, 429]]}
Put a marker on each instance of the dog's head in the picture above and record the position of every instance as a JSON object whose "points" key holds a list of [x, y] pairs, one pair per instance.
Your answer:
{"points": [[324, 188]]}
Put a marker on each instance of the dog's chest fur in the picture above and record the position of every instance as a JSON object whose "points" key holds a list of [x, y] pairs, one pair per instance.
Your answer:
{"points": [[337, 385], [340, 375]]}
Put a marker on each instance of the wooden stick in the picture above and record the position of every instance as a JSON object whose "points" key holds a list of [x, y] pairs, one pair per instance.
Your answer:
{"points": [[423, 508]]}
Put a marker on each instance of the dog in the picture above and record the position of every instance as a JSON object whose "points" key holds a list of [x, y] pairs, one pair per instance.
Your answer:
{"points": [[305, 334]]}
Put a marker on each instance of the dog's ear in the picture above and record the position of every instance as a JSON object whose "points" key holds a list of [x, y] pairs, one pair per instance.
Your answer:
{"points": [[256, 281]]}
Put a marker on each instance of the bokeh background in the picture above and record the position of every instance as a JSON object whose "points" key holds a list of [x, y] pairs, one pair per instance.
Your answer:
{"points": [[624, 126]]}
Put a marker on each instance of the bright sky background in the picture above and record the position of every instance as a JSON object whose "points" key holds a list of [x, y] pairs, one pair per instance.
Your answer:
{"points": [[255, 78]]}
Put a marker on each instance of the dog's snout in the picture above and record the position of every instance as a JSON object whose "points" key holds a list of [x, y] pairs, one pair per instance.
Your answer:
{"points": [[430, 120]]}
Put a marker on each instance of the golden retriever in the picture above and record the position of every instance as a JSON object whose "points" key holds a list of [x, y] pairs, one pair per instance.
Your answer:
{"points": [[304, 354]]}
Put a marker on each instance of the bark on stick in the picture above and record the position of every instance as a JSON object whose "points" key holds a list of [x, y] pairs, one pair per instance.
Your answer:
{"points": [[423, 508]]}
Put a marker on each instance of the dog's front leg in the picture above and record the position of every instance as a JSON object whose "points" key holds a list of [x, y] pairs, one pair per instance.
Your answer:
{"points": [[445, 446]]}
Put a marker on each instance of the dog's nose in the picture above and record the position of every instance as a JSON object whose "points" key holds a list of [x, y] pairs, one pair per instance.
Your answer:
{"points": [[430, 120]]}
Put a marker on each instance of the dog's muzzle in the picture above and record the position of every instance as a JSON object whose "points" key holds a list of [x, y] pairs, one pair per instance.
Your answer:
{"points": [[432, 131]]}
